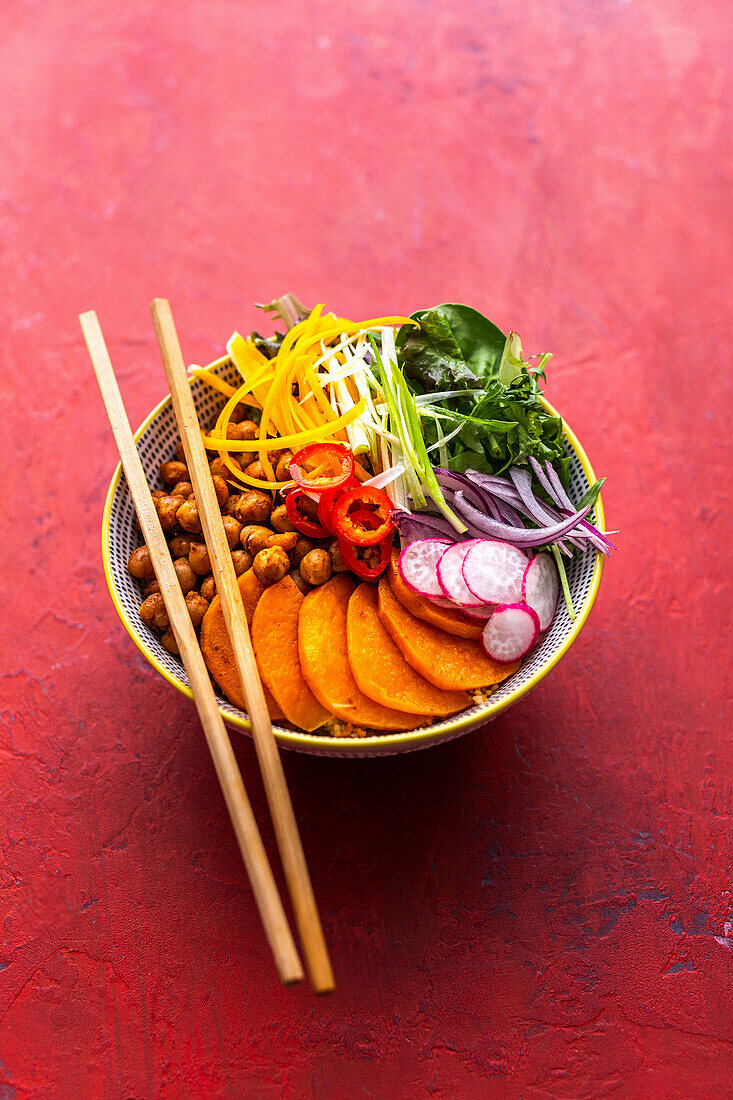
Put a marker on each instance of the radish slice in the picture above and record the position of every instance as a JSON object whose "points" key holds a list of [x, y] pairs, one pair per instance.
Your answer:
{"points": [[493, 571], [441, 601], [541, 587], [479, 613], [450, 574], [511, 632], [417, 564]]}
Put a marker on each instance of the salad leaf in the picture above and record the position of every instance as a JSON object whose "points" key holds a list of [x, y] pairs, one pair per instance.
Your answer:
{"points": [[269, 347], [593, 493], [454, 347], [288, 308], [458, 349]]}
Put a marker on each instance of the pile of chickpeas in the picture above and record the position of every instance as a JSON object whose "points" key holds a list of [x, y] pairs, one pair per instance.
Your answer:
{"points": [[256, 524]]}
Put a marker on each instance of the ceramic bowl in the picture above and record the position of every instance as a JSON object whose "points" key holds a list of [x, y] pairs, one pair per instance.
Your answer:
{"points": [[156, 439]]}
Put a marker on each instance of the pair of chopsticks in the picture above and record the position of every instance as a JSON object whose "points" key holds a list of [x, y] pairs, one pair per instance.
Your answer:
{"points": [[250, 843]]}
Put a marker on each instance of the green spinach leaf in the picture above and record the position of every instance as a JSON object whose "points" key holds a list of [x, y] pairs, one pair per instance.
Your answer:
{"points": [[456, 348]]}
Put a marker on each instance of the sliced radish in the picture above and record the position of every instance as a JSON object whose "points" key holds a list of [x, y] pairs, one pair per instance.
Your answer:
{"points": [[541, 587], [441, 601], [417, 565], [450, 575], [493, 571], [511, 632], [482, 613]]}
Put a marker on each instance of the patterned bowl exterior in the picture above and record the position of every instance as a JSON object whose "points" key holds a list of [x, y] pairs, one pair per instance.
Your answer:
{"points": [[157, 438]]}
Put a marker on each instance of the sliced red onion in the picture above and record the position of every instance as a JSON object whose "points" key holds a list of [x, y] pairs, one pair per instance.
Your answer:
{"points": [[523, 482], [562, 497], [536, 510], [421, 525], [509, 501], [497, 486], [544, 480], [453, 482], [556, 492], [517, 536], [508, 514]]}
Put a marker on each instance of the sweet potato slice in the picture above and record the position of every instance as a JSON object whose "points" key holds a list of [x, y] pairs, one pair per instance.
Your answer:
{"points": [[275, 641], [453, 622], [381, 671], [446, 661], [323, 651], [217, 649]]}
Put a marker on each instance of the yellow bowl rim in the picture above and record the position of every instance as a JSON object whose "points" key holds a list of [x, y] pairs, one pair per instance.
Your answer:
{"points": [[394, 741]]}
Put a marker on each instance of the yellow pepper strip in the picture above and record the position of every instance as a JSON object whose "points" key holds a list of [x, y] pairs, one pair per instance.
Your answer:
{"points": [[307, 405], [216, 383], [303, 418], [292, 442], [350, 328], [321, 400], [297, 331], [246, 357], [206, 374], [379, 322], [270, 384], [272, 404], [220, 432], [219, 435]]}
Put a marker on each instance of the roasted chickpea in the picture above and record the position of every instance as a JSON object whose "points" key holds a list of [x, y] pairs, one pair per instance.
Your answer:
{"points": [[271, 565], [185, 574], [188, 516], [180, 545], [239, 413], [219, 469], [159, 493], [234, 431], [253, 507], [171, 472], [197, 607], [180, 453], [150, 588], [298, 581], [282, 470], [168, 641], [140, 566], [182, 489], [279, 519], [198, 558], [302, 547], [287, 540], [242, 561], [167, 507], [230, 506], [371, 556], [232, 529], [222, 490], [255, 539], [249, 429], [308, 507], [338, 565], [257, 470], [208, 588], [153, 612], [315, 568]]}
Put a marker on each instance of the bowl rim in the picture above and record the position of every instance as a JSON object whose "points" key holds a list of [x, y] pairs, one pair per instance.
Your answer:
{"points": [[354, 746]]}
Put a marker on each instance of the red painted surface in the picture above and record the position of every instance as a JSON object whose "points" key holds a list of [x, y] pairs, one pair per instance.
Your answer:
{"points": [[538, 910]]}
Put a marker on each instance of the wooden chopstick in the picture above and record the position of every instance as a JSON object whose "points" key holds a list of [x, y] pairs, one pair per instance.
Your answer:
{"points": [[248, 836], [278, 797]]}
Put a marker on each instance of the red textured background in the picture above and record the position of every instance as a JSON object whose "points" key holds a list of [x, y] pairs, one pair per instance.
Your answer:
{"points": [[538, 910]]}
